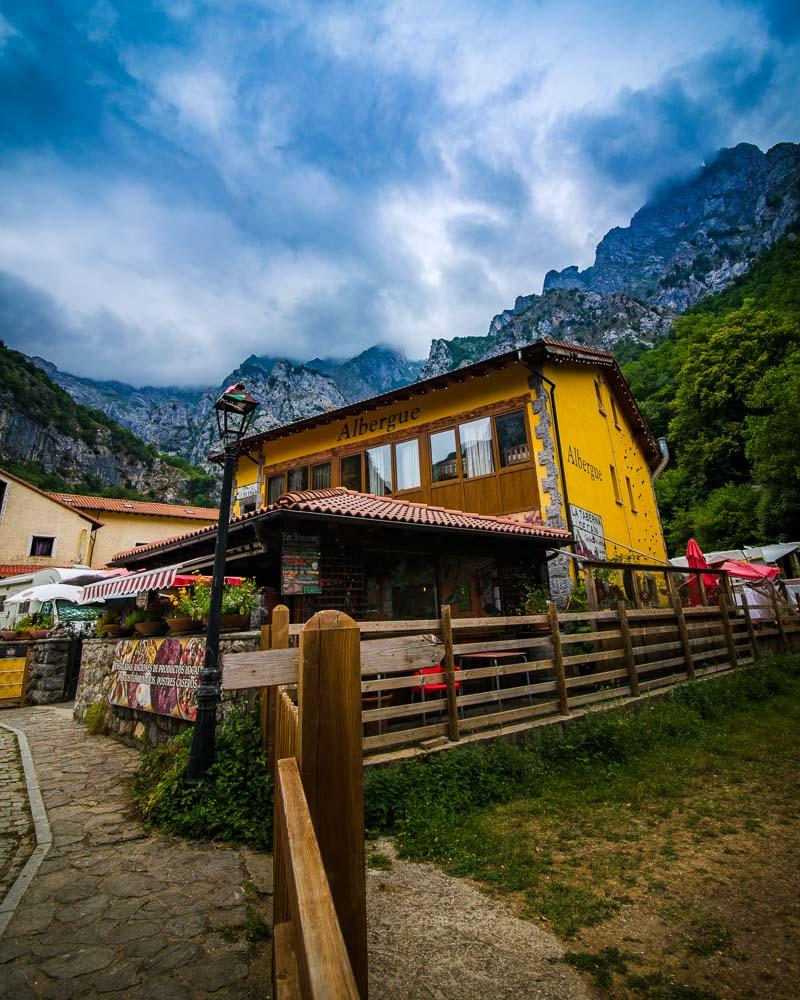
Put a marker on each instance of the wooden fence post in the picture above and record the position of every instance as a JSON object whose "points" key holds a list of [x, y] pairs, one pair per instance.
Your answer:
{"points": [[682, 630], [726, 625], [558, 659], [703, 594], [279, 639], [330, 760], [750, 628], [591, 589], [627, 645], [450, 673], [267, 724], [779, 620]]}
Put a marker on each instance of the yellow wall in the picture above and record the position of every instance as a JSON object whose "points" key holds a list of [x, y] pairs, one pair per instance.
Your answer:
{"points": [[122, 531], [594, 438], [433, 405], [29, 513], [596, 444]]}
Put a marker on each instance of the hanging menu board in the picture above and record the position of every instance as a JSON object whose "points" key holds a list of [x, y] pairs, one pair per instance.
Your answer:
{"points": [[300, 564]]}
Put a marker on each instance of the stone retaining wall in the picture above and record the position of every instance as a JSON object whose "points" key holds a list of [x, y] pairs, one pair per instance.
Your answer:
{"points": [[47, 670], [131, 725]]}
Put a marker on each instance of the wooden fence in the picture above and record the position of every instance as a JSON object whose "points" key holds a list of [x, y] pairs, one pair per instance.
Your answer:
{"points": [[436, 682], [319, 922]]}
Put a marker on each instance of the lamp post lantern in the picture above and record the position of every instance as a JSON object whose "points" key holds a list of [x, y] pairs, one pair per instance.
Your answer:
{"points": [[234, 412]]}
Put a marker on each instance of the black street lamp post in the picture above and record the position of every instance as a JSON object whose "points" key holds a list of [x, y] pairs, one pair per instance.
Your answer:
{"points": [[234, 412]]}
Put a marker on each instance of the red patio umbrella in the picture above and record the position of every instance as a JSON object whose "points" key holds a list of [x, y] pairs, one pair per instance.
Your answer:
{"points": [[696, 560]]}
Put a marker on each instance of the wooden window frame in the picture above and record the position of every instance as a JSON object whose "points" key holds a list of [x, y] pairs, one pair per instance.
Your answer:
{"points": [[409, 489], [615, 412], [615, 484], [503, 469], [344, 458], [50, 554], [277, 475], [296, 468], [320, 465], [598, 389], [630, 495]]}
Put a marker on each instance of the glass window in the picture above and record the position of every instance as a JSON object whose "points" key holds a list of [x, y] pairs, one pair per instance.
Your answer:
{"points": [[443, 456], [298, 479], [274, 488], [615, 481], [406, 459], [321, 476], [477, 457], [41, 545], [630, 494], [379, 470], [614, 411], [599, 393], [351, 472], [512, 441]]}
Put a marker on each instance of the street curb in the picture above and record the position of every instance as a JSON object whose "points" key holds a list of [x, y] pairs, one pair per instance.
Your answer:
{"points": [[44, 836]]}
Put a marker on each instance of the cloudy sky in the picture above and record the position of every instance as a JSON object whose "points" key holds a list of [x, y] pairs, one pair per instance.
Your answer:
{"points": [[185, 183]]}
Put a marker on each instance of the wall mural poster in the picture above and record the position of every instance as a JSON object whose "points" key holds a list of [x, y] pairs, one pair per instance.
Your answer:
{"points": [[158, 675], [590, 539], [300, 564]]}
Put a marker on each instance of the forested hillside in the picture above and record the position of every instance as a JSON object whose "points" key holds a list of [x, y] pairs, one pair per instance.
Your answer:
{"points": [[724, 387], [58, 444]]}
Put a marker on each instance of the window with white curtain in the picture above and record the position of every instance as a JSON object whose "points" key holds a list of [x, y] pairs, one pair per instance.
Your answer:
{"points": [[477, 457], [379, 470], [406, 459]]}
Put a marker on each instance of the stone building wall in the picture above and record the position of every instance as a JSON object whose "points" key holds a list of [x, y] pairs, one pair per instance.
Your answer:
{"points": [[132, 725]]}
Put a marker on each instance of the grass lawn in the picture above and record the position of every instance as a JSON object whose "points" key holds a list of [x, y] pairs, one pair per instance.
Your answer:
{"points": [[663, 849]]}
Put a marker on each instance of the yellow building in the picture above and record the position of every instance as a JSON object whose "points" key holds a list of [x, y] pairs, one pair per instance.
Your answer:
{"points": [[127, 524], [546, 434], [38, 530], [464, 489]]}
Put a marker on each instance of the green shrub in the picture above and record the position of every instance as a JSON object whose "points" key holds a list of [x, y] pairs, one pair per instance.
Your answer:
{"points": [[96, 718], [234, 802]]}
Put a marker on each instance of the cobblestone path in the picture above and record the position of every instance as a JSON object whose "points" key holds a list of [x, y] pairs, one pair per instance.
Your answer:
{"points": [[16, 829], [114, 911]]}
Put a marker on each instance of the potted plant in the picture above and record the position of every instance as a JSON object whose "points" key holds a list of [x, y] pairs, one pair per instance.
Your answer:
{"points": [[8, 634], [147, 623], [237, 604], [108, 625], [41, 625], [22, 627], [183, 615]]}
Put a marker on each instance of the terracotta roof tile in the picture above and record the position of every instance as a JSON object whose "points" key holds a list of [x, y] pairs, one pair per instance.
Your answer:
{"points": [[149, 507], [341, 502], [15, 569]]}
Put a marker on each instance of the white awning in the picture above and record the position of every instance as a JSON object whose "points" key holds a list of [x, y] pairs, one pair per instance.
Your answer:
{"points": [[130, 585]]}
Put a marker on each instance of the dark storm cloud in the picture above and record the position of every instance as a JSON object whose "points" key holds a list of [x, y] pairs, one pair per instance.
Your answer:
{"points": [[653, 134]]}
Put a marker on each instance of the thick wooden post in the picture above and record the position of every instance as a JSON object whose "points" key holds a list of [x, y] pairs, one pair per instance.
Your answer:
{"points": [[627, 645], [267, 724], [728, 629], [330, 760], [450, 673], [682, 630], [558, 659], [703, 594], [591, 589], [779, 620], [279, 639], [750, 628]]}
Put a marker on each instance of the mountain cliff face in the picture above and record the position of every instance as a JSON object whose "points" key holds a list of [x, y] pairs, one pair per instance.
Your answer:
{"points": [[181, 421], [45, 433], [690, 240]]}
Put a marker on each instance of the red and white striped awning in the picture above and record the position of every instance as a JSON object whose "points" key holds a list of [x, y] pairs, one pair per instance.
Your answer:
{"points": [[130, 584]]}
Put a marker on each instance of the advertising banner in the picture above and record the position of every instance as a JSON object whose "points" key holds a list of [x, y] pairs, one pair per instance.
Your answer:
{"points": [[300, 564], [590, 540], [158, 675]]}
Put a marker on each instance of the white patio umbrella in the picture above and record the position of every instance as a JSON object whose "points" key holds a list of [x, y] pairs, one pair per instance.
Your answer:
{"points": [[48, 592]]}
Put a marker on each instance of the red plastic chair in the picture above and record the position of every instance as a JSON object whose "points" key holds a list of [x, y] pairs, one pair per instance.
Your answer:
{"points": [[433, 687]]}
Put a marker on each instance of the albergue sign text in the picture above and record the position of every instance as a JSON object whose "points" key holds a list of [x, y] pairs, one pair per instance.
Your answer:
{"points": [[575, 458], [360, 425]]}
